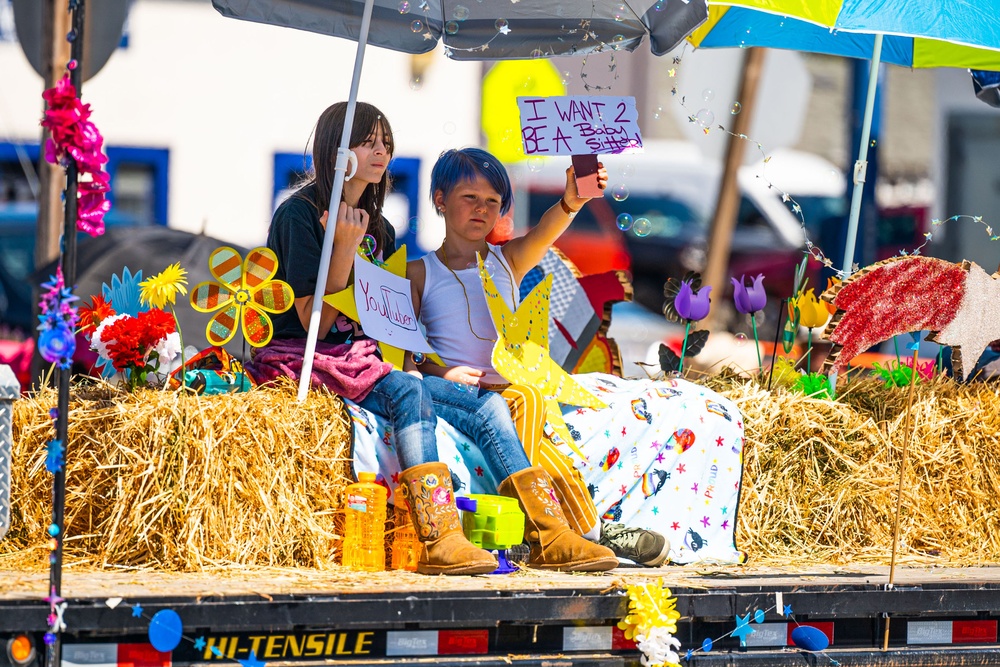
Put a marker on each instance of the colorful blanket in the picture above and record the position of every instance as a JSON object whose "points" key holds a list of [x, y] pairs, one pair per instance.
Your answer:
{"points": [[664, 455]]}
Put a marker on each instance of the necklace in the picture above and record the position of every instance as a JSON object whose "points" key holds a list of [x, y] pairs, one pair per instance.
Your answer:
{"points": [[468, 304]]}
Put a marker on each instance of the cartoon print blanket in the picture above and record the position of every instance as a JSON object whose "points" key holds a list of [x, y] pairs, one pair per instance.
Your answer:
{"points": [[664, 455]]}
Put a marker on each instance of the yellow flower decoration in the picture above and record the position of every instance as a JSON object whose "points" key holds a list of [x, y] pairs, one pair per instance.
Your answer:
{"points": [[162, 289], [812, 313], [651, 621], [244, 295]]}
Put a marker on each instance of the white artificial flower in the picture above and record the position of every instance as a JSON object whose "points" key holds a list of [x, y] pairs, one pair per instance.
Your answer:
{"points": [[168, 348]]}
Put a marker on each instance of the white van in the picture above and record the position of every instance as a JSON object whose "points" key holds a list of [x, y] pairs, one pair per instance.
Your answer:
{"points": [[673, 187]]}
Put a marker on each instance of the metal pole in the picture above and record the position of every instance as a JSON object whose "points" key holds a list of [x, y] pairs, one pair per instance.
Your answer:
{"points": [[861, 165], [331, 223]]}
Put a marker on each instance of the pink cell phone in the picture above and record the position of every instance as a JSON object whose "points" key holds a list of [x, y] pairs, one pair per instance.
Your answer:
{"points": [[585, 167]]}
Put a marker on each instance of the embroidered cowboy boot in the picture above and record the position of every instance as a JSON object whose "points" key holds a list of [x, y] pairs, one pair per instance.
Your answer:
{"points": [[427, 489], [554, 546]]}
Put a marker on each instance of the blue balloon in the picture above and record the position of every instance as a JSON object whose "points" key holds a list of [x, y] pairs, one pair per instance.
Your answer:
{"points": [[809, 638], [165, 630], [706, 645], [758, 616]]}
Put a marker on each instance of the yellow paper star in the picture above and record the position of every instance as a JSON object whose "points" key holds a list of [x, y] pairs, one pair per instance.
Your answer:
{"points": [[521, 353], [346, 303]]}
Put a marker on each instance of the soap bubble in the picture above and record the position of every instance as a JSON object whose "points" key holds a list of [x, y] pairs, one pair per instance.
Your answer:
{"points": [[500, 24], [535, 164], [657, 112], [628, 171], [537, 53], [624, 221], [620, 192], [660, 5], [704, 117], [735, 108], [460, 13], [740, 339], [451, 27], [417, 26], [566, 78], [414, 225], [708, 94], [416, 83], [404, 7], [642, 227]]}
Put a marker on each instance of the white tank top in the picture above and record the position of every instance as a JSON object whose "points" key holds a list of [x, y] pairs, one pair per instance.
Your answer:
{"points": [[446, 314]]}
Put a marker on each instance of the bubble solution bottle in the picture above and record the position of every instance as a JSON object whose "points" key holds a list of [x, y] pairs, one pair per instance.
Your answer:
{"points": [[405, 545], [364, 532]]}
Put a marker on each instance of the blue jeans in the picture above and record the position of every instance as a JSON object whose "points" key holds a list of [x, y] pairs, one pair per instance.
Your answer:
{"points": [[484, 418], [404, 401]]}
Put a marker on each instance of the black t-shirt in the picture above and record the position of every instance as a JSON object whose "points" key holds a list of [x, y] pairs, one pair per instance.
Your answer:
{"points": [[296, 237]]}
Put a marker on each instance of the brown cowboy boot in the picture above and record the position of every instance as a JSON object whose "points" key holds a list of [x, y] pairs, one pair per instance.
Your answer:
{"points": [[554, 546], [427, 489]]}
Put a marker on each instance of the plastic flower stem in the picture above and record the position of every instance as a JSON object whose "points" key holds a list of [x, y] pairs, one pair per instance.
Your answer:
{"points": [[180, 338], [777, 336], [684, 346], [756, 342], [940, 359], [809, 351], [895, 344]]}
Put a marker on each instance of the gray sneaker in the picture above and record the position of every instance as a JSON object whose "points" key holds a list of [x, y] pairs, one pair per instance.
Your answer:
{"points": [[636, 544]]}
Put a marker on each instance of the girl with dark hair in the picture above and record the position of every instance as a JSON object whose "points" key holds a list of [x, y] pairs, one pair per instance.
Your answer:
{"points": [[347, 361]]}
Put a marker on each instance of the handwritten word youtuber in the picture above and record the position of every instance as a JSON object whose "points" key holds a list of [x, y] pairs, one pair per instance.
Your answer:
{"points": [[574, 125]]}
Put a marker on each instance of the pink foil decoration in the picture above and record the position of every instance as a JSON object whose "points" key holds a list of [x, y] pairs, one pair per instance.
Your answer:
{"points": [[75, 138]]}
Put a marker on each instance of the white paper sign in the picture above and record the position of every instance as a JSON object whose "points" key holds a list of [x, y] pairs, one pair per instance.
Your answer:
{"points": [[579, 125], [385, 307]]}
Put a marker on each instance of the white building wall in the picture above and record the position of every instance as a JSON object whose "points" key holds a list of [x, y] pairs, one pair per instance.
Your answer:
{"points": [[224, 95]]}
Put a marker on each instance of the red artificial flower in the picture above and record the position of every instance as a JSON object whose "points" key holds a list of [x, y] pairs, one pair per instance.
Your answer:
{"points": [[91, 316]]}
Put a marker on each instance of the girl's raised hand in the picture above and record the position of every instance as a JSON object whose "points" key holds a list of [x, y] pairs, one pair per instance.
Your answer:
{"points": [[352, 225]]}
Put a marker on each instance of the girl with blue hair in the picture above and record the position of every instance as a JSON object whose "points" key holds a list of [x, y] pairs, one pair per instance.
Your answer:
{"points": [[409, 402], [471, 189]]}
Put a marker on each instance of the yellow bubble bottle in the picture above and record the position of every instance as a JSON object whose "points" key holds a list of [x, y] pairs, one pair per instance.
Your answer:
{"points": [[364, 532], [405, 544]]}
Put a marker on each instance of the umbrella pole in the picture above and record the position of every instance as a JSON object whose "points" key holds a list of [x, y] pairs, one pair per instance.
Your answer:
{"points": [[861, 164], [331, 223]]}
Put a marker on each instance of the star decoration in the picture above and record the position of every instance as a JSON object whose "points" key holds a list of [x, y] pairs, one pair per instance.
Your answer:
{"points": [[137, 610], [427, 36], [252, 661], [742, 628], [346, 302], [521, 353], [54, 456], [787, 611], [199, 643], [53, 598], [976, 323], [505, 30]]}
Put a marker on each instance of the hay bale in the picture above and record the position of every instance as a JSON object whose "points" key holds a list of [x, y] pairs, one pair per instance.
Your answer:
{"points": [[180, 482], [820, 477]]}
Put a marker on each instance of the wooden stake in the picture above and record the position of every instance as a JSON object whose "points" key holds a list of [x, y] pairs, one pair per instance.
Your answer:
{"points": [[907, 437]]}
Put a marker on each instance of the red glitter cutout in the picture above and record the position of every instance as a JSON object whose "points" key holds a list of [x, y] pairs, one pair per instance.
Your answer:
{"points": [[896, 297]]}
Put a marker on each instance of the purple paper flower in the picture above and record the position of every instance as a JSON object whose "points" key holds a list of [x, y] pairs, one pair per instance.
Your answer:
{"points": [[751, 299], [692, 307]]}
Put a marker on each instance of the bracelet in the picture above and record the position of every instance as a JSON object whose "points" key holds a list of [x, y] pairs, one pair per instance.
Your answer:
{"points": [[566, 209]]}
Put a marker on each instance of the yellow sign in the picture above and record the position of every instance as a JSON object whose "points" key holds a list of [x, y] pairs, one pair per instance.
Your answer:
{"points": [[502, 85]]}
